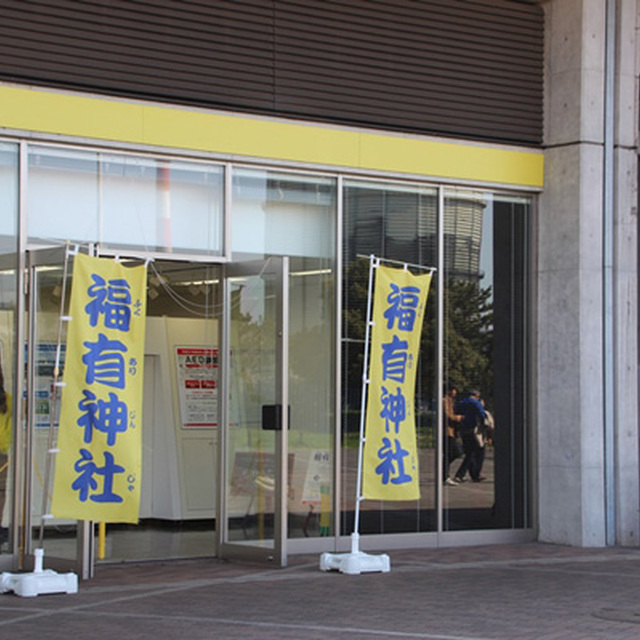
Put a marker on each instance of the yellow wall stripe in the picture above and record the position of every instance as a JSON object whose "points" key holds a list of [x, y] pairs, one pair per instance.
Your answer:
{"points": [[51, 112]]}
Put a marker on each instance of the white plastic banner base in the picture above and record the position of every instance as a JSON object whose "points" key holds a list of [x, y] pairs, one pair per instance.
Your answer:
{"points": [[355, 563], [39, 582]]}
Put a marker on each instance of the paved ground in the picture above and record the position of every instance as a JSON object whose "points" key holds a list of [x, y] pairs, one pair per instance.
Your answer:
{"points": [[506, 592]]}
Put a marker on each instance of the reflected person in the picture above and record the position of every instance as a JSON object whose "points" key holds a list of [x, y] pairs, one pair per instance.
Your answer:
{"points": [[471, 433], [450, 447]]}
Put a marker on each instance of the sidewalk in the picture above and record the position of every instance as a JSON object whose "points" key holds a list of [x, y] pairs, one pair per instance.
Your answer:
{"points": [[506, 592]]}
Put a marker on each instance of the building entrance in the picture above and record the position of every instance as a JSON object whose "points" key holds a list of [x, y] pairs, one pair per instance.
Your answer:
{"points": [[212, 468], [254, 462], [181, 420]]}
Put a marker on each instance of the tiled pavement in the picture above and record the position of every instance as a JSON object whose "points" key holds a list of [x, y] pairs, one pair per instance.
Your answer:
{"points": [[506, 592]]}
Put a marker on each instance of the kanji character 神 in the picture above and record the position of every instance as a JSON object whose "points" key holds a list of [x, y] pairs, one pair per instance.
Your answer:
{"points": [[109, 417], [394, 408]]}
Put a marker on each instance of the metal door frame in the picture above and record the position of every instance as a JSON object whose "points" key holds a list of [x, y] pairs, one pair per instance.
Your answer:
{"points": [[279, 266]]}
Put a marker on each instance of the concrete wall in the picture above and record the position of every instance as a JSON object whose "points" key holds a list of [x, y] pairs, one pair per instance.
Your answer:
{"points": [[572, 505]]}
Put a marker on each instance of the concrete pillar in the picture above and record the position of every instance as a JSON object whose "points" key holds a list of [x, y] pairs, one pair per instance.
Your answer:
{"points": [[572, 502], [626, 290]]}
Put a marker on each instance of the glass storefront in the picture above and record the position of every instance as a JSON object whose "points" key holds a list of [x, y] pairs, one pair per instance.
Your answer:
{"points": [[479, 245], [475, 336], [395, 222], [485, 349]]}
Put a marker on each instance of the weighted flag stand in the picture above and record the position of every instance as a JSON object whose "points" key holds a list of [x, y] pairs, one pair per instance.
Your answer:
{"points": [[356, 561]]}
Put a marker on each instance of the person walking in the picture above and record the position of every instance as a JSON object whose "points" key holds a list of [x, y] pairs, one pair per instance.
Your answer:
{"points": [[471, 433], [450, 446]]}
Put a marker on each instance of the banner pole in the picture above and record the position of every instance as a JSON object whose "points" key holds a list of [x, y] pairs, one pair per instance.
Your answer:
{"points": [[54, 395], [355, 536], [357, 562]]}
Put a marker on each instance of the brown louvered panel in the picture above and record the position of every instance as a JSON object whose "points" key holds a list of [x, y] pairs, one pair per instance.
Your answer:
{"points": [[163, 41], [300, 49], [428, 17], [176, 84], [473, 72], [147, 64], [475, 46], [352, 74], [439, 121], [464, 68], [432, 91]]}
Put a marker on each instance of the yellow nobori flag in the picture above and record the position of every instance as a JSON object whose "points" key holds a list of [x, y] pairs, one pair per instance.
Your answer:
{"points": [[390, 457], [98, 466]]}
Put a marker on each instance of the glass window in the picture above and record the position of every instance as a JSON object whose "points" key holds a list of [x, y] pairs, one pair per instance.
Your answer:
{"points": [[282, 214], [8, 299], [8, 197], [162, 205], [124, 201], [484, 271], [312, 336], [485, 358], [62, 196], [399, 223], [294, 215]]}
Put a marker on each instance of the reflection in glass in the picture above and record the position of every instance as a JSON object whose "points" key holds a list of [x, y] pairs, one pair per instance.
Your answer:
{"points": [[484, 272], [282, 214], [166, 205], [63, 195], [125, 201], [396, 223], [251, 453], [311, 396], [288, 214], [485, 291]]}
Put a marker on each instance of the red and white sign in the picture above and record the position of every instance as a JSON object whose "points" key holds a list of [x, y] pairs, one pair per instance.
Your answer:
{"points": [[197, 369]]}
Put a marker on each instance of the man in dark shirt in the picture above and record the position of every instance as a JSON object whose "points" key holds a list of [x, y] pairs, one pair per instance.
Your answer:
{"points": [[473, 417]]}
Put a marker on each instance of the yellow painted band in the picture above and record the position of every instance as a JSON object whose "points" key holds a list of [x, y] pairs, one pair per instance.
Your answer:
{"points": [[51, 112]]}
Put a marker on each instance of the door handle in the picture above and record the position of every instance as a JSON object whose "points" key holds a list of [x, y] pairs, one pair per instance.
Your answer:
{"points": [[272, 417]]}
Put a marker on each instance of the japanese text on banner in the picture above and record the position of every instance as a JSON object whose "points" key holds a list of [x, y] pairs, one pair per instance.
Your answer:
{"points": [[390, 458], [98, 467]]}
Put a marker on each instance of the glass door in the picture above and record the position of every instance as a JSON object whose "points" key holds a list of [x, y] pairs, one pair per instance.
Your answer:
{"points": [[66, 543], [180, 420], [253, 452]]}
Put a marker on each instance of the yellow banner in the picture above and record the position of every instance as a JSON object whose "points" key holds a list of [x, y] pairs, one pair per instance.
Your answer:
{"points": [[390, 457], [98, 467]]}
